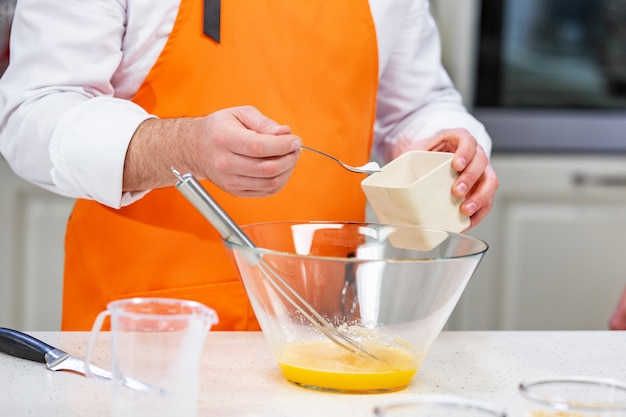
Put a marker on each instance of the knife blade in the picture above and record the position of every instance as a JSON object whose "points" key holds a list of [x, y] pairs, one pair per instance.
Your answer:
{"points": [[22, 345]]}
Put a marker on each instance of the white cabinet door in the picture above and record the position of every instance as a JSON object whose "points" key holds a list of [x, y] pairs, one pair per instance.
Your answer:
{"points": [[557, 257], [32, 225]]}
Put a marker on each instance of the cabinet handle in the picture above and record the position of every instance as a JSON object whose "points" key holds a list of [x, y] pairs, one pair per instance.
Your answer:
{"points": [[582, 179]]}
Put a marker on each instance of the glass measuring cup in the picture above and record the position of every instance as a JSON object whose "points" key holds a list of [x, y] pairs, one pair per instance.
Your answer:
{"points": [[156, 342]]}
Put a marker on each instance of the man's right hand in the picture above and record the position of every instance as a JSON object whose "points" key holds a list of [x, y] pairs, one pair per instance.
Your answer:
{"points": [[239, 149]]}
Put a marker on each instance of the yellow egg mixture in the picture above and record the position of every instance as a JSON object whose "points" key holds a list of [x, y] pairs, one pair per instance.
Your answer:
{"points": [[325, 365]]}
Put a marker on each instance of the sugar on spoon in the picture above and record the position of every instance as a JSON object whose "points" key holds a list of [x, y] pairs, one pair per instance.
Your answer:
{"points": [[369, 168]]}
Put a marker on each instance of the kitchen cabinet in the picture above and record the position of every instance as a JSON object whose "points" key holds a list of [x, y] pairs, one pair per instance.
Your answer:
{"points": [[557, 259], [32, 225], [557, 256]]}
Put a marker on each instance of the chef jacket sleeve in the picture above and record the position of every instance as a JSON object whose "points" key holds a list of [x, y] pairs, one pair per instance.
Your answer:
{"points": [[416, 96], [60, 125]]}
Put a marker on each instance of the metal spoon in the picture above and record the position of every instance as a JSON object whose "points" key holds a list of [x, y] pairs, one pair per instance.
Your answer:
{"points": [[369, 168]]}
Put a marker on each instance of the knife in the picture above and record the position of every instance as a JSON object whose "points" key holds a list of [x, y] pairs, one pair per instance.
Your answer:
{"points": [[22, 345]]}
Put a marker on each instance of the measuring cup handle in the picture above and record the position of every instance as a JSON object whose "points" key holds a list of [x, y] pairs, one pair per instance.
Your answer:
{"points": [[95, 331]]}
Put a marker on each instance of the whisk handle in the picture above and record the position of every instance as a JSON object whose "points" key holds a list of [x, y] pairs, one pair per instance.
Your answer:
{"points": [[197, 195]]}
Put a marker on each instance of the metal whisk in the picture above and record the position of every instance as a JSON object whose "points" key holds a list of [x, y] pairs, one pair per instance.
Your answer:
{"points": [[197, 195]]}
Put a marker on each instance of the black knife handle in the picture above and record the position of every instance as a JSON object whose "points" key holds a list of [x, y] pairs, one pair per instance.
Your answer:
{"points": [[23, 346]]}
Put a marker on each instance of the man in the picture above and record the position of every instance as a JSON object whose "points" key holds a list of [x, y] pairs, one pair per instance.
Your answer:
{"points": [[101, 98]]}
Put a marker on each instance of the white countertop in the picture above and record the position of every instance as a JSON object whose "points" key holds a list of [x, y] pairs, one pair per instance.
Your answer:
{"points": [[240, 378]]}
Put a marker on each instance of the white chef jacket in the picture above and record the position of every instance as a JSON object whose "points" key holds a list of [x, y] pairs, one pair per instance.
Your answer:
{"points": [[66, 118]]}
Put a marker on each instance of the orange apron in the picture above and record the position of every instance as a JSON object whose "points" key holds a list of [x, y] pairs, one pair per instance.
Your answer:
{"points": [[309, 64]]}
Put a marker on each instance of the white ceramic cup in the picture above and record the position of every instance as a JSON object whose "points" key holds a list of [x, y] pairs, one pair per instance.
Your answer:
{"points": [[416, 189], [155, 353], [574, 396]]}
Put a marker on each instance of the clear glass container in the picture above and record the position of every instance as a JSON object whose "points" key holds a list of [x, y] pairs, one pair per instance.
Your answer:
{"points": [[438, 406], [574, 396], [390, 289]]}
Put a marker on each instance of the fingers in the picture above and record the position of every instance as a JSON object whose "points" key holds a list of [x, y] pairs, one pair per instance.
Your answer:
{"points": [[479, 200], [254, 177], [261, 137], [470, 171], [457, 141], [246, 153], [477, 181], [251, 118]]}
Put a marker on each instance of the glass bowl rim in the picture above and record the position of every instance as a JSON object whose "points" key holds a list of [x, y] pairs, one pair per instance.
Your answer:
{"points": [[263, 251], [440, 400], [562, 404]]}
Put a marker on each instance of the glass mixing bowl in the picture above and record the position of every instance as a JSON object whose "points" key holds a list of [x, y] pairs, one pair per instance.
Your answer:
{"points": [[389, 289], [574, 396], [438, 406]]}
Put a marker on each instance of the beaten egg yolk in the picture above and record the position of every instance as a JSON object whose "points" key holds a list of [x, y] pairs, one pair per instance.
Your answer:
{"points": [[327, 366]]}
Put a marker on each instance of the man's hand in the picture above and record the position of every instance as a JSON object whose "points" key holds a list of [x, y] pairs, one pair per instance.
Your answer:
{"points": [[239, 149], [477, 180], [246, 153]]}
